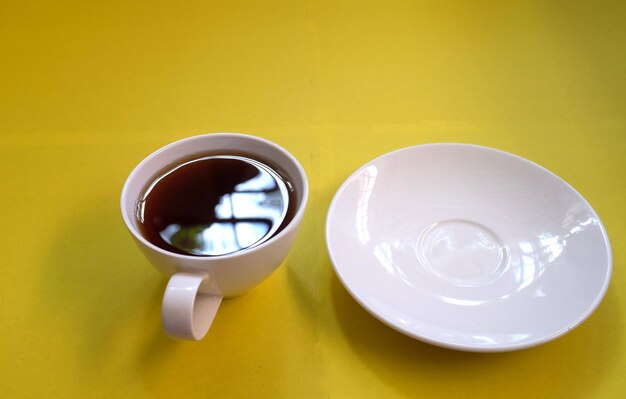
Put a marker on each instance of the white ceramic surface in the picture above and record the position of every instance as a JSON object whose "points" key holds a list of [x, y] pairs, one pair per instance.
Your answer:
{"points": [[468, 247], [197, 284]]}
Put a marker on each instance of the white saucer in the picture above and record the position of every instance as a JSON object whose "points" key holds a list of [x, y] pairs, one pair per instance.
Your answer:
{"points": [[468, 247]]}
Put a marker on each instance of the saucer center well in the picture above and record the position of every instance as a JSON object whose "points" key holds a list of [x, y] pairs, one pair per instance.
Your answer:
{"points": [[461, 252]]}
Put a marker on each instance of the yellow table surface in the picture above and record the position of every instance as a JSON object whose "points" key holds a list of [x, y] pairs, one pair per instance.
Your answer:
{"points": [[87, 89]]}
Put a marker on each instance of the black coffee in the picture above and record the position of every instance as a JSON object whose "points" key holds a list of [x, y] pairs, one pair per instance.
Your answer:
{"points": [[215, 205]]}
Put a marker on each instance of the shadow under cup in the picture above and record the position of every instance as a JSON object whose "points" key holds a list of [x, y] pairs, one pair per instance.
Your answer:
{"points": [[223, 275]]}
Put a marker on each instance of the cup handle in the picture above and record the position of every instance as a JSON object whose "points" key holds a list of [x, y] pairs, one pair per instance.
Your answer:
{"points": [[188, 309]]}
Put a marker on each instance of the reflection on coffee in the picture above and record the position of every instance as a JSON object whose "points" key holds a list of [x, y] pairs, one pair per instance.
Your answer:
{"points": [[215, 205]]}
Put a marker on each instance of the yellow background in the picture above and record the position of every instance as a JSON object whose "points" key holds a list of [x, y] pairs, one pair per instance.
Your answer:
{"points": [[87, 89]]}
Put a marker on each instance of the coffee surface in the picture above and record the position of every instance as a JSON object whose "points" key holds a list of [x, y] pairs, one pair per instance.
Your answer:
{"points": [[215, 205]]}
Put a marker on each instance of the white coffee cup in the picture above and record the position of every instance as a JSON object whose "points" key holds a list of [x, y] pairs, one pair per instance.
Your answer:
{"points": [[197, 284]]}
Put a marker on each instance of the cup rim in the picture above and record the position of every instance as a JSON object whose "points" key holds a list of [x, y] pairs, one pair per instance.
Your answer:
{"points": [[292, 225]]}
